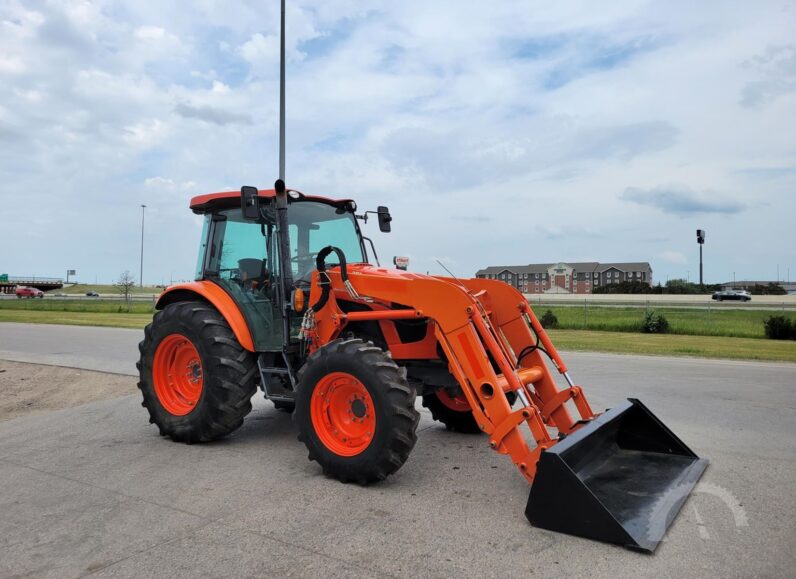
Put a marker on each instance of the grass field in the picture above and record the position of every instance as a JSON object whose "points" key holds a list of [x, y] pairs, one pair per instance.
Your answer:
{"points": [[674, 345], [80, 289], [95, 305], [733, 334], [108, 319], [688, 321]]}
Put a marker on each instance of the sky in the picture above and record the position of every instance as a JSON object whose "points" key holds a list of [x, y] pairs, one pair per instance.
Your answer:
{"points": [[496, 132]]}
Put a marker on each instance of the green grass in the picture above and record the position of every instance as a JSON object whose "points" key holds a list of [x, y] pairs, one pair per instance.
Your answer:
{"points": [[110, 319], [674, 345], [104, 290], [95, 305], [687, 321], [746, 324]]}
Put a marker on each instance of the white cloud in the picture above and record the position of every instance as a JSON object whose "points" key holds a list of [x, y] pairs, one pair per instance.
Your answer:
{"points": [[675, 257], [505, 135], [11, 65], [146, 134], [165, 184], [261, 50]]}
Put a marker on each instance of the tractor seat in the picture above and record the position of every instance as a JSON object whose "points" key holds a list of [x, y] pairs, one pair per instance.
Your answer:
{"points": [[253, 273]]}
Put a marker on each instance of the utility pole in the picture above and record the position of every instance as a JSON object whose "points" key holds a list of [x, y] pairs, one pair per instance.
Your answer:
{"points": [[282, 98], [701, 242], [141, 271]]}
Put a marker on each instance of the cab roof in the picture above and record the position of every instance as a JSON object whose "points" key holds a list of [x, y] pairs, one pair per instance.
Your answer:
{"points": [[226, 199]]}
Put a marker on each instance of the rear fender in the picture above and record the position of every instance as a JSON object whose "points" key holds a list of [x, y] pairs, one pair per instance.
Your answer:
{"points": [[209, 292]]}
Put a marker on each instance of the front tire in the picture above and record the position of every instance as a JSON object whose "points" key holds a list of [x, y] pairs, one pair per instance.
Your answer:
{"points": [[196, 379], [355, 411]]}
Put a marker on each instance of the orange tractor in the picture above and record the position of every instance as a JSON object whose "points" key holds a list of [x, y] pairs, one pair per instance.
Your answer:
{"points": [[287, 298]]}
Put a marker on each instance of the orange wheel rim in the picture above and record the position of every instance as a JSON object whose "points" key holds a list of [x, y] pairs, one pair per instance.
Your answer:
{"points": [[458, 403], [342, 414], [177, 374]]}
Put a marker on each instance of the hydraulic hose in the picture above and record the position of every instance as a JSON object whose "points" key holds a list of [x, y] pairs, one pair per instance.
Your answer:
{"points": [[325, 282]]}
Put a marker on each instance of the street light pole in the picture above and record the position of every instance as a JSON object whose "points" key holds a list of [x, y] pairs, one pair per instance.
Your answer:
{"points": [[701, 241], [141, 271], [282, 95]]}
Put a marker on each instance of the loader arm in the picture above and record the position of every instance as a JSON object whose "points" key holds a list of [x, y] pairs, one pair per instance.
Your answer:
{"points": [[481, 327], [620, 477]]}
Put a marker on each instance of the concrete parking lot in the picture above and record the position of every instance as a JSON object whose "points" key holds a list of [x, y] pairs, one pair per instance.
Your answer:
{"points": [[93, 490]]}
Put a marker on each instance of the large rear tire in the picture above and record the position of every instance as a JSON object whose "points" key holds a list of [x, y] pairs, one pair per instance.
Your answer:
{"points": [[355, 411], [196, 379]]}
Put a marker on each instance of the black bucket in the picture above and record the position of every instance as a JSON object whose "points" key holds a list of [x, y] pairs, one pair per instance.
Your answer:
{"points": [[622, 478]]}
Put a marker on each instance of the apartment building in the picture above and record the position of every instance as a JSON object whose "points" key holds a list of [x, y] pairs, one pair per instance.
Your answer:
{"points": [[573, 278]]}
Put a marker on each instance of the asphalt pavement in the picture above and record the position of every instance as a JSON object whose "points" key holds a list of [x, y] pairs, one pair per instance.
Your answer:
{"points": [[94, 490]]}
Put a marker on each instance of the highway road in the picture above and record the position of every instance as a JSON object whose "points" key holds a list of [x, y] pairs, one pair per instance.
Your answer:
{"points": [[95, 490], [781, 303]]}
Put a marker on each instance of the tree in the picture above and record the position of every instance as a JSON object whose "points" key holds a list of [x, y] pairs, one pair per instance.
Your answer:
{"points": [[125, 285]]}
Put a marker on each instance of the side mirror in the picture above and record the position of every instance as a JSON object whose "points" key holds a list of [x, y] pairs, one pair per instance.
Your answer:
{"points": [[384, 219], [250, 202]]}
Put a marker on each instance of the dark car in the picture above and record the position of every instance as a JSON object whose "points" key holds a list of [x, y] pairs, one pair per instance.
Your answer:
{"points": [[738, 295], [29, 292], [92, 294]]}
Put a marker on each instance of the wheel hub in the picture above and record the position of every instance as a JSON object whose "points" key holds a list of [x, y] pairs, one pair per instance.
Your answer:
{"points": [[343, 414], [195, 370], [358, 408], [177, 374]]}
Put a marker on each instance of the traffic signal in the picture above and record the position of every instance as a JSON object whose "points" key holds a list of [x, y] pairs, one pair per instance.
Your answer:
{"points": [[700, 236]]}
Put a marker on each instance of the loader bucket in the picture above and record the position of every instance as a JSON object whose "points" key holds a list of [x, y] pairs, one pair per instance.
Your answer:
{"points": [[622, 479]]}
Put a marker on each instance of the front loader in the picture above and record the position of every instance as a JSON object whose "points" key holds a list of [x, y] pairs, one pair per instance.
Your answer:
{"points": [[288, 299]]}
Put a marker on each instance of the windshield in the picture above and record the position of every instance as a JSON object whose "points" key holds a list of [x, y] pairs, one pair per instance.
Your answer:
{"points": [[311, 227]]}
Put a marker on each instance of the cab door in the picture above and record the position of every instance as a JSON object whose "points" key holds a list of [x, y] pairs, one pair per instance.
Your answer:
{"points": [[240, 258]]}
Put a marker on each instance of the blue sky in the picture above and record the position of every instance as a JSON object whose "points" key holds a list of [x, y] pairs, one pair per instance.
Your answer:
{"points": [[499, 133]]}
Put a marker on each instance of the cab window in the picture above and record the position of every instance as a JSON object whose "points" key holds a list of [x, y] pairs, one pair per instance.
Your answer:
{"points": [[311, 227]]}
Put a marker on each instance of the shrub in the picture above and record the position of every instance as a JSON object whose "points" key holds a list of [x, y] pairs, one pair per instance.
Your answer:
{"points": [[549, 320], [780, 328], [654, 323]]}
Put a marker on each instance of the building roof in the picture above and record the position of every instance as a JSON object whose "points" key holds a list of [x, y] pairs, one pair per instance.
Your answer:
{"points": [[625, 266], [577, 266]]}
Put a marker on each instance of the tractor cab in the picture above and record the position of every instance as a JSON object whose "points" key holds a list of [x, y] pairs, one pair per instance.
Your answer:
{"points": [[260, 264]]}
